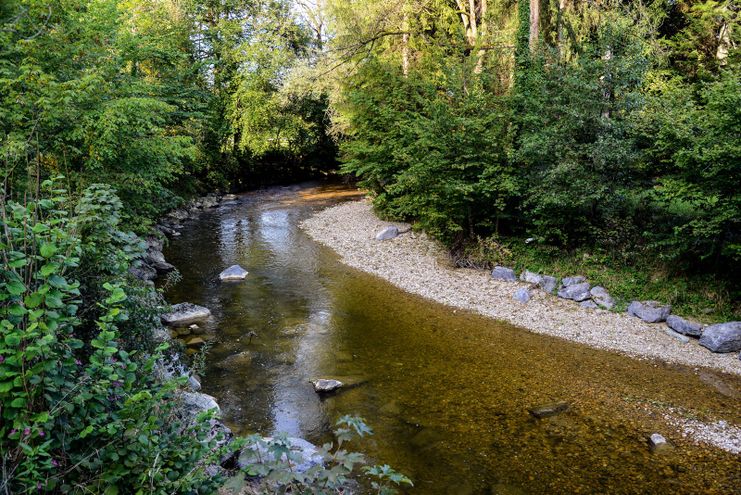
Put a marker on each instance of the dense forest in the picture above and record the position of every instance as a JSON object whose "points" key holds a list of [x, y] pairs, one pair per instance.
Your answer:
{"points": [[604, 132]]}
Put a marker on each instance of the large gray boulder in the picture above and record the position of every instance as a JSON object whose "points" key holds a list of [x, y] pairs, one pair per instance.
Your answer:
{"points": [[723, 337], [234, 272], [143, 271], [530, 277], [388, 233], [602, 297], [576, 292], [522, 295], [503, 273], [156, 259], [685, 327], [649, 311], [548, 283], [184, 314], [566, 282]]}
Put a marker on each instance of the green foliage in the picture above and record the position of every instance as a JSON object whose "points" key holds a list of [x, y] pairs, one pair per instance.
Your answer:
{"points": [[80, 410], [272, 467], [435, 154]]}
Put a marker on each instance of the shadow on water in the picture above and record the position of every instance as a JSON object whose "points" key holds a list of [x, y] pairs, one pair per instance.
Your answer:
{"points": [[447, 394]]}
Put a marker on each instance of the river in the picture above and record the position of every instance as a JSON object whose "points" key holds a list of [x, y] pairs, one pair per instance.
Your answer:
{"points": [[446, 392]]}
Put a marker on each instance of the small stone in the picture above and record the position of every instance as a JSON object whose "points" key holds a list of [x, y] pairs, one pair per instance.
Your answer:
{"points": [[387, 233], [503, 273], [323, 386], [548, 283], [566, 282], [657, 442], [576, 292], [685, 327], [723, 337], [234, 272], [195, 342], [522, 295], [649, 311], [589, 304], [194, 383], [671, 333], [601, 297], [548, 410]]}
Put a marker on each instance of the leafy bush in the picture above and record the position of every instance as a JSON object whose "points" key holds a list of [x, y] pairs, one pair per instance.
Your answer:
{"points": [[81, 412], [272, 467]]}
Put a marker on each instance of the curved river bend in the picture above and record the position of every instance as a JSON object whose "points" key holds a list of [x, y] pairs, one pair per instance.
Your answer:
{"points": [[446, 394]]}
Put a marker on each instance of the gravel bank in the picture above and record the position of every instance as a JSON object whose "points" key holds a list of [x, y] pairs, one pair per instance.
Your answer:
{"points": [[413, 262]]}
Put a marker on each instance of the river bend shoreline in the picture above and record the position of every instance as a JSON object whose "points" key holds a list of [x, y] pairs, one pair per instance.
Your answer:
{"points": [[414, 263]]}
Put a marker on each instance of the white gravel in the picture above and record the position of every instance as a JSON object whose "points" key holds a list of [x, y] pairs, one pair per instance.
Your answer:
{"points": [[719, 434], [413, 262]]}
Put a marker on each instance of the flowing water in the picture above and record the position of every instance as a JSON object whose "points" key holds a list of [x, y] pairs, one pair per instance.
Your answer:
{"points": [[447, 393]]}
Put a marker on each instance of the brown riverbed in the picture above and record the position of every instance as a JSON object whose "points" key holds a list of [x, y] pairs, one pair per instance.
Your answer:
{"points": [[447, 392]]}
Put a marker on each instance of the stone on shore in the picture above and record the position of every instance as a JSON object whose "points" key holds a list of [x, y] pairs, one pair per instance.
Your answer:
{"points": [[671, 333], [723, 337], [234, 272], [184, 314], [685, 327], [548, 283], [530, 277], [576, 292], [589, 304], [602, 297], [522, 295], [323, 386], [566, 282], [548, 410], [503, 273], [649, 311], [143, 271], [388, 233]]}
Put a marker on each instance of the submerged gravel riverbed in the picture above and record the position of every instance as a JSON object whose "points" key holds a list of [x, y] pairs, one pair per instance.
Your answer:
{"points": [[416, 264]]}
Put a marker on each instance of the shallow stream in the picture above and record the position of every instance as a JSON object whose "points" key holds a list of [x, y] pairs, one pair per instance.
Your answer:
{"points": [[447, 393]]}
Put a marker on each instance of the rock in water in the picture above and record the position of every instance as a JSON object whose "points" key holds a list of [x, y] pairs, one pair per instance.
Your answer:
{"points": [[184, 314], [304, 455], [323, 386], [196, 402], [548, 283], [602, 297], [723, 337], [649, 311], [387, 233], [530, 277], [657, 442], [576, 292], [548, 410], [234, 272], [522, 295], [573, 280], [685, 327], [503, 273]]}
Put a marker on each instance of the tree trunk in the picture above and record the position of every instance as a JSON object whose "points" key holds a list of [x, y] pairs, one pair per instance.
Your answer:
{"points": [[534, 24]]}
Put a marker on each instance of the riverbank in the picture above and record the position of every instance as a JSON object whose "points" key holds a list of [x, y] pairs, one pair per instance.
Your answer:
{"points": [[417, 264]]}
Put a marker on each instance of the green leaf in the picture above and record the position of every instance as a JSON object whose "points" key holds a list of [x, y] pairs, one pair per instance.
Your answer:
{"points": [[15, 287], [48, 250]]}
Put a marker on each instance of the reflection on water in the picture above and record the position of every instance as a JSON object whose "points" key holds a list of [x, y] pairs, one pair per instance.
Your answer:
{"points": [[447, 395]]}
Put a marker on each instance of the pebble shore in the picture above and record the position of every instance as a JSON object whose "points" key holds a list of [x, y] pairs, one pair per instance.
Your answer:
{"points": [[417, 264]]}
